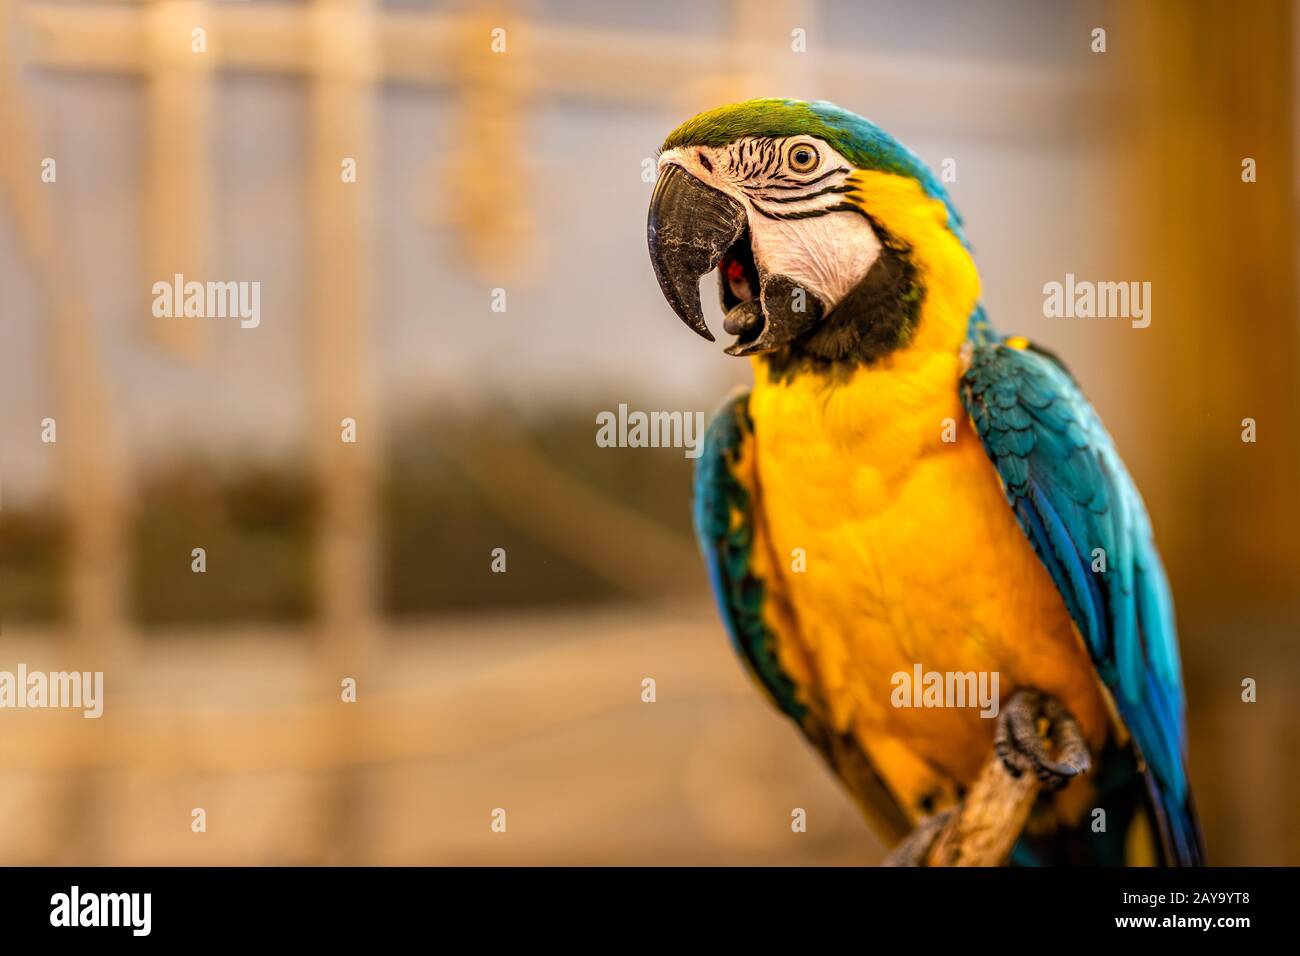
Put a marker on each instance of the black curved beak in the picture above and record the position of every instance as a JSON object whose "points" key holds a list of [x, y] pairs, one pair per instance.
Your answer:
{"points": [[690, 227]]}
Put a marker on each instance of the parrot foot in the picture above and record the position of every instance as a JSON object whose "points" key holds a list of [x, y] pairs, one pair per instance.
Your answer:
{"points": [[1031, 725], [916, 846]]}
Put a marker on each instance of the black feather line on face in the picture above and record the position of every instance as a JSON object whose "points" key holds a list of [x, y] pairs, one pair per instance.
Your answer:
{"points": [[842, 188], [748, 158], [801, 185], [809, 213]]}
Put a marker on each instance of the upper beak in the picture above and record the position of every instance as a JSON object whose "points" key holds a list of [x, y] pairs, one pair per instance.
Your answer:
{"points": [[690, 227]]}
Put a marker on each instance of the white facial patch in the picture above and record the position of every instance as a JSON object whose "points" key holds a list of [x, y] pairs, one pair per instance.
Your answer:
{"points": [[794, 229], [828, 255]]}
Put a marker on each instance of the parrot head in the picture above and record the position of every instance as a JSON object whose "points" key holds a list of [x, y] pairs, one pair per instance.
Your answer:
{"points": [[819, 223]]}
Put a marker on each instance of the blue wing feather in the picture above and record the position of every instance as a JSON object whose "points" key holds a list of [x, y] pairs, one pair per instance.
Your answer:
{"points": [[1072, 496], [724, 526]]}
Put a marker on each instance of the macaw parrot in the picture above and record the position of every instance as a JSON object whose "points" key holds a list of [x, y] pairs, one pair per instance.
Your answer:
{"points": [[904, 488]]}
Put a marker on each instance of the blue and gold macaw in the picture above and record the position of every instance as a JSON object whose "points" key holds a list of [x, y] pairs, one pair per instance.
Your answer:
{"points": [[853, 505]]}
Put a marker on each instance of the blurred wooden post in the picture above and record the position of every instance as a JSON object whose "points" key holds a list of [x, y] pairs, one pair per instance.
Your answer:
{"points": [[90, 462], [766, 47], [339, 324], [765, 58], [178, 174], [1201, 87], [90, 459], [491, 198]]}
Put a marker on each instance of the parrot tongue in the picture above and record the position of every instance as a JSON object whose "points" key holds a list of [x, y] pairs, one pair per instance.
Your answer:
{"points": [[745, 321], [739, 278], [738, 273]]}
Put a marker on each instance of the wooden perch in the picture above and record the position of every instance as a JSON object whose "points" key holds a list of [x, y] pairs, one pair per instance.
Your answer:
{"points": [[1041, 737], [979, 831], [984, 827]]}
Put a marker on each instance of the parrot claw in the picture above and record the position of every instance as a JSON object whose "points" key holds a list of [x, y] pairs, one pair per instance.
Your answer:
{"points": [[915, 848], [1022, 746]]}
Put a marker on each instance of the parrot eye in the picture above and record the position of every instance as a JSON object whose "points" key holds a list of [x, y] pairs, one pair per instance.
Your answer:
{"points": [[803, 158]]}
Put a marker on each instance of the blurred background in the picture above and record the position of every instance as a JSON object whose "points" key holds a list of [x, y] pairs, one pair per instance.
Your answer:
{"points": [[501, 153]]}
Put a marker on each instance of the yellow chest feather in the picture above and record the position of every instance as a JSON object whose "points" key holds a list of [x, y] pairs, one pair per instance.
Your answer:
{"points": [[910, 553], [887, 528]]}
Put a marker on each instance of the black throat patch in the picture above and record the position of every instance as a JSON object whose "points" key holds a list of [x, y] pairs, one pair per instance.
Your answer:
{"points": [[877, 317]]}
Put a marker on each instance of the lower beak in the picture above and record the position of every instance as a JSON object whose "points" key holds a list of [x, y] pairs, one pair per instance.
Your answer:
{"points": [[784, 312], [690, 227]]}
